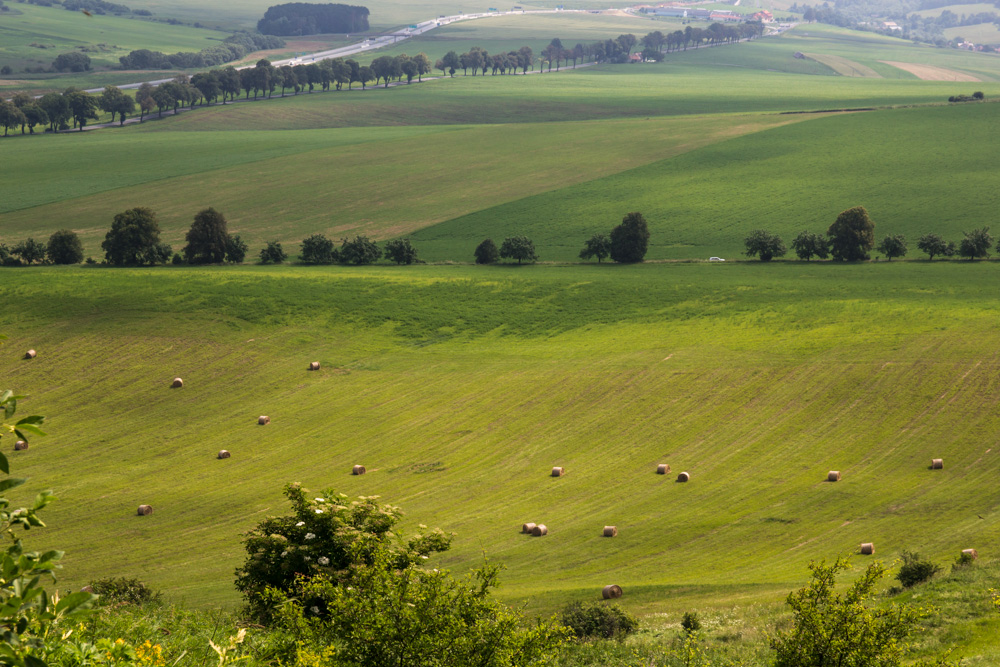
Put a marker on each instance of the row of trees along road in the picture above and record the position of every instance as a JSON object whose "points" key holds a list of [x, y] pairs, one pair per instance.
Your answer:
{"points": [[852, 236], [58, 110]]}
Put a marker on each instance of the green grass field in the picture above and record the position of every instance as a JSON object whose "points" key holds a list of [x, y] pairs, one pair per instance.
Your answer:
{"points": [[460, 387], [983, 33], [960, 9], [61, 31]]}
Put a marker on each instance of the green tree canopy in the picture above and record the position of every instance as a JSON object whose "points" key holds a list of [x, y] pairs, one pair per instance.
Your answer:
{"points": [[598, 245], [976, 244], [765, 245], [520, 248], [359, 250], [29, 250], [317, 249], [400, 251], [630, 239], [934, 246], [810, 244], [236, 249], [272, 253], [134, 239], [852, 235], [893, 246], [207, 239], [487, 252], [64, 247]]}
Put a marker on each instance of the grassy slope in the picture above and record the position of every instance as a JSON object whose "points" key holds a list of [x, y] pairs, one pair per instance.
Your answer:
{"points": [[984, 33], [350, 181], [460, 387], [62, 31], [784, 180]]}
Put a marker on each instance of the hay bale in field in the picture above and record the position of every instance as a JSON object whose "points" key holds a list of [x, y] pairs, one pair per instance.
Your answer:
{"points": [[970, 552], [611, 592], [867, 548], [833, 476], [663, 469], [539, 530], [314, 366], [937, 464], [87, 589], [20, 446], [611, 531], [30, 354], [224, 454], [359, 470], [263, 420], [145, 510], [177, 383], [558, 471], [527, 528], [684, 477]]}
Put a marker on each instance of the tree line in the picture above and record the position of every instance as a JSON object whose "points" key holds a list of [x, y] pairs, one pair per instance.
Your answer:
{"points": [[852, 237], [301, 18]]}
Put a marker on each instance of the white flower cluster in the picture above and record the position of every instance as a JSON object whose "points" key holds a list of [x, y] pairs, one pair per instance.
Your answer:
{"points": [[300, 524], [323, 560], [310, 536]]}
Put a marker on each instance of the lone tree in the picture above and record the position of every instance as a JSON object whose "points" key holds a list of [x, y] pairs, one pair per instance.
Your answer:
{"points": [[134, 239], [845, 630], [976, 244], [810, 244], [207, 239], [598, 246], [630, 239], [765, 245], [65, 248], [359, 250], [934, 245], [518, 247], [273, 253], [852, 235], [400, 251], [317, 249], [893, 246], [486, 252]]}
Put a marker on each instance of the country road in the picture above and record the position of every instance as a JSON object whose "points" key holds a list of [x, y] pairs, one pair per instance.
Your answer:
{"points": [[375, 43]]}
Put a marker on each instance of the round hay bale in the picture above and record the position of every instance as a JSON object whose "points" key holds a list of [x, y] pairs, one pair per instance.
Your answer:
{"points": [[611, 592], [87, 589], [177, 383], [971, 552], [20, 446], [359, 470], [224, 454], [867, 549], [314, 366], [30, 354], [539, 530], [611, 531], [937, 464], [558, 471], [684, 477], [145, 510], [263, 420], [527, 528], [663, 469], [833, 476]]}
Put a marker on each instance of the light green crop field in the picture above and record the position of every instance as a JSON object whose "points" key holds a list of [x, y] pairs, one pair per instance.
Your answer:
{"points": [[460, 387], [983, 33], [53, 30]]}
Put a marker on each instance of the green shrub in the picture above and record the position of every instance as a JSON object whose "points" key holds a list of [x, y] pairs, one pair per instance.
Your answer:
{"points": [[273, 253], [963, 560], [487, 253], [691, 622], [599, 620], [915, 570], [124, 590]]}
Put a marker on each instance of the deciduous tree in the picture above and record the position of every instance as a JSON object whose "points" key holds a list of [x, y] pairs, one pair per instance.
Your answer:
{"points": [[400, 251], [520, 248], [29, 250], [273, 253], [134, 239], [630, 239], [236, 249], [598, 245], [852, 235], [359, 250], [934, 245], [810, 244], [893, 246], [64, 247], [317, 249], [486, 252], [976, 243], [207, 239], [764, 245]]}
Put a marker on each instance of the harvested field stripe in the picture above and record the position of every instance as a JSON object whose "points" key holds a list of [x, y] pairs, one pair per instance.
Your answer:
{"points": [[931, 72], [843, 66]]}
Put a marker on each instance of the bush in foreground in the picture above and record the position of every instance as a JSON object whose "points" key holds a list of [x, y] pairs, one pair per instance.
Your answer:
{"points": [[915, 570], [124, 590], [598, 620]]}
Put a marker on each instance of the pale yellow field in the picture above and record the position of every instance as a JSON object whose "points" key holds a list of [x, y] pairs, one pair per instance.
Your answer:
{"points": [[843, 66], [931, 73]]}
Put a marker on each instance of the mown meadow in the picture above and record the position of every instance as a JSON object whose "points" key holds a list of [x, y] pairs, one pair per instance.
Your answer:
{"points": [[460, 387]]}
